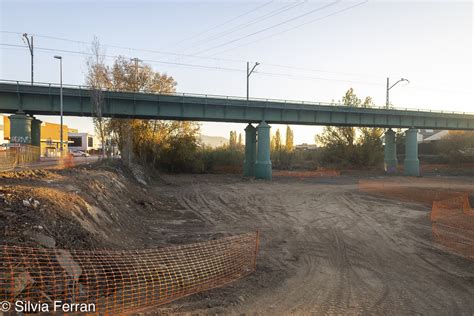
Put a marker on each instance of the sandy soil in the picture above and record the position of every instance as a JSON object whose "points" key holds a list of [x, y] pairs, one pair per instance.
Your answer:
{"points": [[326, 247]]}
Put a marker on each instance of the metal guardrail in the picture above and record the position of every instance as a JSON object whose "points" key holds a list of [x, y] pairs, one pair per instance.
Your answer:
{"points": [[236, 98]]}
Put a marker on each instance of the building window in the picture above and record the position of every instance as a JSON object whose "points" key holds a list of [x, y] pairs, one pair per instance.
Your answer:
{"points": [[76, 141], [90, 142]]}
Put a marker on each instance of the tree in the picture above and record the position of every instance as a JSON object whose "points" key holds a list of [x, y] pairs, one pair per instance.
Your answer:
{"points": [[162, 143], [289, 139], [348, 145], [339, 141], [233, 140], [370, 141], [96, 79], [457, 147], [276, 143]]}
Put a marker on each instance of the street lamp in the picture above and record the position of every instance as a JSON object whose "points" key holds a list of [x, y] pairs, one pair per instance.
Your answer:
{"points": [[387, 103], [249, 72], [29, 41], [61, 101]]}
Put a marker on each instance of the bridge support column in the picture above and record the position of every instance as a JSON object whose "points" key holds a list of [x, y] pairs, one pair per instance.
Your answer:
{"points": [[412, 164], [263, 166], [36, 132], [20, 128], [390, 152], [250, 151]]}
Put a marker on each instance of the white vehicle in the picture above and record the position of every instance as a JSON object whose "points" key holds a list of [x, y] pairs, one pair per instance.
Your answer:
{"points": [[80, 153]]}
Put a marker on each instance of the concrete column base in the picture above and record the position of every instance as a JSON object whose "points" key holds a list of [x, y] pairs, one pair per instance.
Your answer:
{"points": [[412, 164], [263, 166], [390, 152], [36, 132], [20, 128], [250, 151]]}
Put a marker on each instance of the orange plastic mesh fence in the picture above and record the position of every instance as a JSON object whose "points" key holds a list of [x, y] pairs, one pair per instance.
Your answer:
{"points": [[307, 174], [452, 218], [123, 281], [412, 190], [452, 223]]}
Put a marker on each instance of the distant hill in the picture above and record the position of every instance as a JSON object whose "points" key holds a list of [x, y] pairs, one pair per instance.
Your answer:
{"points": [[214, 141]]}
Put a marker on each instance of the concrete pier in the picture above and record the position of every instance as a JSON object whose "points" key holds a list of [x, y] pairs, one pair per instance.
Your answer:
{"points": [[36, 132], [263, 166], [390, 152], [412, 164], [250, 151], [20, 128]]}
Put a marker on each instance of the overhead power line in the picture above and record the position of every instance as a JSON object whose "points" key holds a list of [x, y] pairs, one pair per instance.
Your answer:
{"points": [[291, 76], [44, 49], [325, 71], [197, 66], [258, 19], [158, 52], [271, 27], [222, 24], [188, 55], [294, 27]]}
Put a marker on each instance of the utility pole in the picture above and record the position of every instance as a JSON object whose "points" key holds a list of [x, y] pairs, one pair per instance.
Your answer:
{"points": [[136, 60], [129, 140], [29, 41], [61, 101], [387, 101], [249, 72]]}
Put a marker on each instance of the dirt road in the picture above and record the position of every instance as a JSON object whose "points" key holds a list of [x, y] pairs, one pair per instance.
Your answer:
{"points": [[326, 248]]}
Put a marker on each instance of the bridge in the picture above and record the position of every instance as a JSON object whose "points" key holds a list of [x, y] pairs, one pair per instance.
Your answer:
{"points": [[25, 100]]}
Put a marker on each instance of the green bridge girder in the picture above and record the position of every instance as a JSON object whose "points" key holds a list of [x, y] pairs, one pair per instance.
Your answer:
{"points": [[43, 99]]}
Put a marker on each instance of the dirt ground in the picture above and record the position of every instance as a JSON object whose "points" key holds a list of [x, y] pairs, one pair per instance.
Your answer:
{"points": [[326, 247]]}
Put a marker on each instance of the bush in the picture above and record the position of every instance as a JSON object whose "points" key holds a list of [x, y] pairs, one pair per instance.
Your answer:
{"points": [[457, 148], [221, 159]]}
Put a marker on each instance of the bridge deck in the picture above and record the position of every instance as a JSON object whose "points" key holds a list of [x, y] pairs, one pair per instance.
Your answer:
{"points": [[44, 100]]}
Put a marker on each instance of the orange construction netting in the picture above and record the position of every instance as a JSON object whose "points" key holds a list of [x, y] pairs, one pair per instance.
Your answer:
{"points": [[452, 218], [118, 282], [307, 174]]}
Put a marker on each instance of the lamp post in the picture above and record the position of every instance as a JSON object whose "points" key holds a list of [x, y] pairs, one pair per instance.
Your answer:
{"points": [[249, 72], [29, 41], [387, 102], [61, 101]]}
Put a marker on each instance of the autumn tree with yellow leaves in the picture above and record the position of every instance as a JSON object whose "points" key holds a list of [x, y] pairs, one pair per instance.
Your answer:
{"points": [[168, 144]]}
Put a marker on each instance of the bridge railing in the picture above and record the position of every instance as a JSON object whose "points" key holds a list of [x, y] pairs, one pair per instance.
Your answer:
{"points": [[226, 97]]}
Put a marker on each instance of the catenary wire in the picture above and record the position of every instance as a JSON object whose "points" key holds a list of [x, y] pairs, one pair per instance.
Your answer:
{"points": [[270, 27], [259, 19]]}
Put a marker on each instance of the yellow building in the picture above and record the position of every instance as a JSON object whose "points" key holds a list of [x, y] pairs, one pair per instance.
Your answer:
{"points": [[50, 137]]}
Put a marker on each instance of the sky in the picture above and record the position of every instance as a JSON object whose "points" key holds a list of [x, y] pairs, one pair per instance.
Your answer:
{"points": [[307, 50]]}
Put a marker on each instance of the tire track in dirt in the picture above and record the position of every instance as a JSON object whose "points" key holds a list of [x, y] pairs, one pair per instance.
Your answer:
{"points": [[328, 249]]}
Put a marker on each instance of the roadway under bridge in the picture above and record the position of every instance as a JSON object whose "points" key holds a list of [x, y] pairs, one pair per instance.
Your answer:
{"points": [[26, 100]]}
